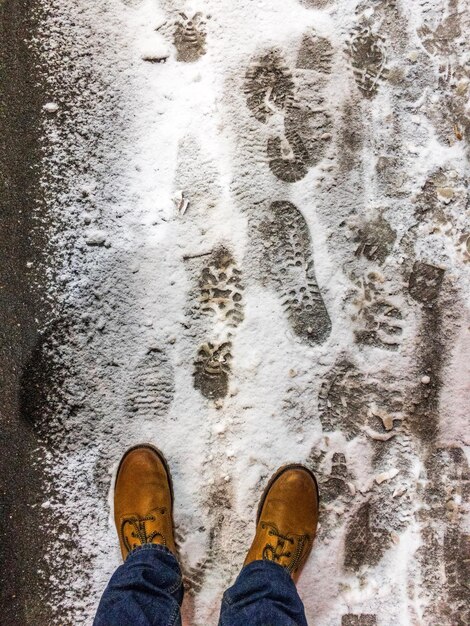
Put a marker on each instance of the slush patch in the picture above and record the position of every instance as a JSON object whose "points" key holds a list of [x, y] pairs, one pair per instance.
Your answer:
{"points": [[350, 402], [375, 240], [425, 282]]}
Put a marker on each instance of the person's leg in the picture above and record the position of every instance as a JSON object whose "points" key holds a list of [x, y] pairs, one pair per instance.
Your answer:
{"points": [[264, 593], [147, 589]]}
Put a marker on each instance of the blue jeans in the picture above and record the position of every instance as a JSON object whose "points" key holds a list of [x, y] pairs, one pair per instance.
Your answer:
{"points": [[147, 590]]}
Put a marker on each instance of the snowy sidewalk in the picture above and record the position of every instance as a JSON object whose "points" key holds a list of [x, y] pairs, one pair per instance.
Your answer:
{"points": [[260, 255]]}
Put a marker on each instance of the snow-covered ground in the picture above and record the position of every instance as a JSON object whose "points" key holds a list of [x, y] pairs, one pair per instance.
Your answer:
{"points": [[260, 255]]}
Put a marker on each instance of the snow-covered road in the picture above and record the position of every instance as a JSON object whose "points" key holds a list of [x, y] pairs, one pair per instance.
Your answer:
{"points": [[259, 253]]}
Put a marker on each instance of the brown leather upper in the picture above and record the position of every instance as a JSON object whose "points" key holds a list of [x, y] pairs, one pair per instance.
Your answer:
{"points": [[287, 520], [143, 501]]}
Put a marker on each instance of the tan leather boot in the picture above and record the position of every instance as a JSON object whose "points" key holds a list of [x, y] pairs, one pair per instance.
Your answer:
{"points": [[287, 519], [143, 500]]}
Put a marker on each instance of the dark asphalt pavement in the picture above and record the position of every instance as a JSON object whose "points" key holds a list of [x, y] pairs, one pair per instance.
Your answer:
{"points": [[23, 527]]}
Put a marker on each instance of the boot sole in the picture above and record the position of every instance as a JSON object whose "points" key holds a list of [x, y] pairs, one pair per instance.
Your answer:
{"points": [[277, 475]]}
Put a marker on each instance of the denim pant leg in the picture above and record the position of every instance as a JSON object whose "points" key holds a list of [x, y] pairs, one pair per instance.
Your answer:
{"points": [[264, 594], [146, 590]]}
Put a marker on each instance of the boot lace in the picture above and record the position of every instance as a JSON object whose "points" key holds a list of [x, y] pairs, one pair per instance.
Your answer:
{"points": [[282, 550], [139, 531]]}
